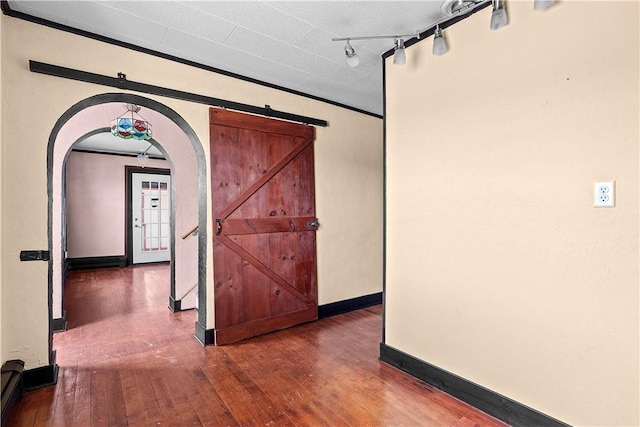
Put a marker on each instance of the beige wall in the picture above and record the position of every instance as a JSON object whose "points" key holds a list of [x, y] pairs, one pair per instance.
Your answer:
{"points": [[499, 268], [348, 169]]}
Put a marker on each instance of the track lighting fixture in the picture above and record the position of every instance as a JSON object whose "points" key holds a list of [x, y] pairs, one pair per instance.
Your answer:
{"points": [[439, 45], [458, 7], [399, 57], [352, 57], [499, 15], [541, 5], [454, 8]]}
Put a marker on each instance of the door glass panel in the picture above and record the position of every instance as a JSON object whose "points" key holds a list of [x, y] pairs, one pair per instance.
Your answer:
{"points": [[155, 216]]}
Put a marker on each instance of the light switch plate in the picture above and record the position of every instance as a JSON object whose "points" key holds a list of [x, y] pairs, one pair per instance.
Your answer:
{"points": [[604, 194]]}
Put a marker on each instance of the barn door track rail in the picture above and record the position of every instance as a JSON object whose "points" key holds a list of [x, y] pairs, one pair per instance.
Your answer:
{"points": [[121, 82]]}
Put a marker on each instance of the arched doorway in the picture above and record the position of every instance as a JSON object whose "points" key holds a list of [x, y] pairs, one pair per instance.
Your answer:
{"points": [[94, 113]]}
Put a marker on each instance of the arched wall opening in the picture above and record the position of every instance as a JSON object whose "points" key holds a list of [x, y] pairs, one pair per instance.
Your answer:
{"points": [[186, 158]]}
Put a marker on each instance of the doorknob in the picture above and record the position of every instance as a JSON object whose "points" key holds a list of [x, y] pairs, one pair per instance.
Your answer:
{"points": [[139, 226]]}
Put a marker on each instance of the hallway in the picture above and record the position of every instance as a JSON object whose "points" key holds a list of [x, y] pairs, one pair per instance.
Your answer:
{"points": [[126, 359]]}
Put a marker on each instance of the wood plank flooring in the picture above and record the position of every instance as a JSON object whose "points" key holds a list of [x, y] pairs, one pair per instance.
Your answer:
{"points": [[126, 359]]}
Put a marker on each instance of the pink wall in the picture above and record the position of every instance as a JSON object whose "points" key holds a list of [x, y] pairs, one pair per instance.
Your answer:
{"points": [[96, 216], [185, 182]]}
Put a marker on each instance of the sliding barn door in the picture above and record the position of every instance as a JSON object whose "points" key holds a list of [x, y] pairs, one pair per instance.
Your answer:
{"points": [[264, 245]]}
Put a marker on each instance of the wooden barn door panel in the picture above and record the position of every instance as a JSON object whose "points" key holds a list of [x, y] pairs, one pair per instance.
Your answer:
{"points": [[264, 208]]}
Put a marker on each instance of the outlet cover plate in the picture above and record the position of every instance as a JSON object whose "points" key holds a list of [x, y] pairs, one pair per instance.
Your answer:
{"points": [[604, 194]]}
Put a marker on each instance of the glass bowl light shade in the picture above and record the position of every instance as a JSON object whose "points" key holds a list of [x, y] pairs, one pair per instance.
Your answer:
{"points": [[128, 126]]}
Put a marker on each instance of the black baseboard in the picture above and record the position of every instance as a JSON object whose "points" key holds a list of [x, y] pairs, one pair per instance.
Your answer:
{"points": [[205, 336], [42, 376], [59, 324], [490, 402], [97, 262], [345, 306], [175, 305]]}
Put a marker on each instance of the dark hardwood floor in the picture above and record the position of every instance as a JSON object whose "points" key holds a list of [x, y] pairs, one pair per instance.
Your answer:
{"points": [[126, 359]]}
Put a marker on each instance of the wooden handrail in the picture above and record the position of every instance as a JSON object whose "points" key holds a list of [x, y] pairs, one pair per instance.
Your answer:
{"points": [[191, 232]]}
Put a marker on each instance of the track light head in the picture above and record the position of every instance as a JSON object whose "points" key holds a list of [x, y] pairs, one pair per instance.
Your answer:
{"points": [[498, 16], [540, 5], [439, 45], [352, 57], [399, 57]]}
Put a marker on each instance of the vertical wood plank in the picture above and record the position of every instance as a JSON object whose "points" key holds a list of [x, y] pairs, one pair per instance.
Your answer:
{"points": [[141, 402], [239, 391], [99, 409], [305, 275], [305, 170], [225, 176], [283, 196], [280, 184], [173, 402], [67, 381], [256, 286], [252, 164], [82, 397], [115, 399], [207, 403], [229, 302], [283, 261]]}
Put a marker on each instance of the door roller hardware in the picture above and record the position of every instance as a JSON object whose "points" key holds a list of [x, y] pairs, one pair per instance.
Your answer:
{"points": [[218, 227], [34, 255], [313, 224]]}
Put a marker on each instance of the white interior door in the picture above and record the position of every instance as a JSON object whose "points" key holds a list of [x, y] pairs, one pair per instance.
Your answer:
{"points": [[151, 210]]}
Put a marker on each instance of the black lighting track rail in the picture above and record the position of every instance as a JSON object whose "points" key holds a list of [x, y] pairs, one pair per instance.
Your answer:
{"points": [[121, 82]]}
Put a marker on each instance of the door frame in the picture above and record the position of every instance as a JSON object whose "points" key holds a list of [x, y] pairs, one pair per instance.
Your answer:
{"points": [[202, 334], [129, 171]]}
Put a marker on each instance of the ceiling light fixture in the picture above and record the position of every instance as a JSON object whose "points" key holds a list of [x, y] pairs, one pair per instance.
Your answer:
{"points": [[458, 7], [352, 57], [541, 5], [439, 45], [399, 56], [143, 156], [499, 15], [131, 125], [453, 8]]}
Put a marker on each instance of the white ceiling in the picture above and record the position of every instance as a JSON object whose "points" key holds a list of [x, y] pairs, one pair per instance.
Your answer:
{"points": [[107, 143], [285, 43]]}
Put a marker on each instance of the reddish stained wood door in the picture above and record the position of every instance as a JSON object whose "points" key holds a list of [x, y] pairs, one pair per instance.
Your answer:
{"points": [[264, 247]]}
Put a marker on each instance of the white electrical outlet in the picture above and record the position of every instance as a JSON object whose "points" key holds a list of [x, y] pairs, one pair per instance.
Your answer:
{"points": [[604, 194]]}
